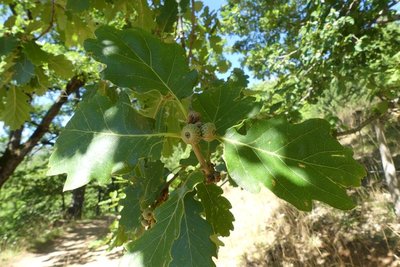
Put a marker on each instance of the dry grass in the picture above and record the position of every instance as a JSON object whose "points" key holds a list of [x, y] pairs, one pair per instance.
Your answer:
{"points": [[365, 236]]}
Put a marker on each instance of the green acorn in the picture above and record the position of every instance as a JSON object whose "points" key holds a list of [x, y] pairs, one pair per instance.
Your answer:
{"points": [[147, 214], [191, 134], [208, 131]]}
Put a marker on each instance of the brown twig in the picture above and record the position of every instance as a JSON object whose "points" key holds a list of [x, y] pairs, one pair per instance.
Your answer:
{"points": [[360, 126], [164, 192], [53, 11], [203, 163]]}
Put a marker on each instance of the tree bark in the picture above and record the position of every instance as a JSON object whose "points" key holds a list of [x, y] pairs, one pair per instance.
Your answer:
{"points": [[16, 151], [389, 168], [78, 198]]}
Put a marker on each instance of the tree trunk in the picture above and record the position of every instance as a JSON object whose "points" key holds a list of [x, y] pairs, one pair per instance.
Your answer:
{"points": [[78, 198], [16, 151], [389, 169]]}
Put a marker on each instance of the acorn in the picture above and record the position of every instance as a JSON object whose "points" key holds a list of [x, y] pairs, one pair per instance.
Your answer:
{"points": [[191, 134], [147, 214], [208, 131]]}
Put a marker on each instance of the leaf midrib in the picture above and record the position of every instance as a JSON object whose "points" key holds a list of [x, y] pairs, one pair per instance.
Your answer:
{"points": [[280, 157]]}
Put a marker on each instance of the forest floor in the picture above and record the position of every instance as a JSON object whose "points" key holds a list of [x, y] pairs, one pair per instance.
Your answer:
{"points": [[76, 246]]}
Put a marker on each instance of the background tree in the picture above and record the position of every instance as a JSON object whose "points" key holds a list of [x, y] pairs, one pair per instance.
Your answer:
{"points": [[346, 49]]}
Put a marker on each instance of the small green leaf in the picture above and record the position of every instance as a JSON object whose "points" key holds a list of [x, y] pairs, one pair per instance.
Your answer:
{"points": [[61, 66], [217, 208], [42, 82], [7, 44], [136, 59], [17, 108], [131, 212], [102, 138], [168, 119], [154, 247], [193, 248], [299, 162], [147, 186], [149, 103], [23, 69], [144, 17], [78, 5], [35, 53], [223, 106], [168, 14]]}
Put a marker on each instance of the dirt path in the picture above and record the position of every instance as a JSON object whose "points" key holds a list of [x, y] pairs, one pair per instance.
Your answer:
{"points": [[73, 248]]}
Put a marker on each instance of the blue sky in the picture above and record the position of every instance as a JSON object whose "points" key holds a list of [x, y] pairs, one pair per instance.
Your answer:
{"points": [[233, 58]]}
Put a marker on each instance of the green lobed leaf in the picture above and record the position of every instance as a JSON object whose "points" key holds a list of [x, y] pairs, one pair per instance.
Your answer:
{"points": [[23, 70], [35, 53], [217, 208], [102, 138], [146, 188], [223, 106], [136, 59], [168, 14], [131, 211], [299, 163], [154, 247], [61, 66], [144, 17], [193, 248], [7, 44], [77, 30], [17, 108]]}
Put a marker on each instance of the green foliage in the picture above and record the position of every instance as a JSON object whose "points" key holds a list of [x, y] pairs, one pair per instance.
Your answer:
{"points": [[29, 202], [223, 105], [312, 47], [148, 182], [298, 163], [138, 60], [17, 110], [216, 208], [128, 125], [174, 233], [111, 133]]}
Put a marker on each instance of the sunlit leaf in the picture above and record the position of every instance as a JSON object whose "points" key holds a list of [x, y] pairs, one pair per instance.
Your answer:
{"points": [[217, 208], [299, 162], [61, 66], [17, 108], [144, 17], [102, 138], [136, 59]]}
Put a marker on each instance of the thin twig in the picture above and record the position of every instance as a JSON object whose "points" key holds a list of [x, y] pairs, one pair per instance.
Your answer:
{"points": [[192, 36], [359, 127], [53, 11]]}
